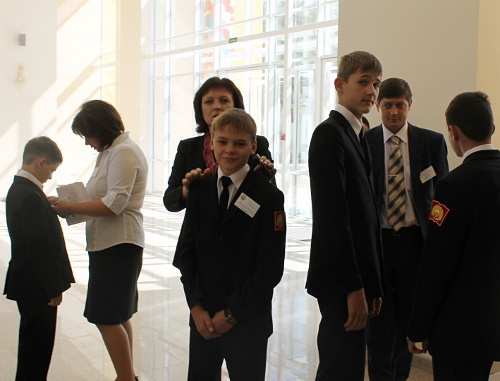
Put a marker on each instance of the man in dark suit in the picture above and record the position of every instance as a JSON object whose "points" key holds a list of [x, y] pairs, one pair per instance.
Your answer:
{"points": [[231, 253], [345, 273], [456, 310], [39, 270], [404, 221]]}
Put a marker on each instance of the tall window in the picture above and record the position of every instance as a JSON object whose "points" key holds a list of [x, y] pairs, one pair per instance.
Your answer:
{"points": [[280, 53]]}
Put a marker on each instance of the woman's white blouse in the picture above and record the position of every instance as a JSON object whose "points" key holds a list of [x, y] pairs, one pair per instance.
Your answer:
{"points": [[119, 180]]}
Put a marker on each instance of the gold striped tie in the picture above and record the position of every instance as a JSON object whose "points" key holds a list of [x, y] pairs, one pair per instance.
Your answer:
{"points": [[396, 207]]}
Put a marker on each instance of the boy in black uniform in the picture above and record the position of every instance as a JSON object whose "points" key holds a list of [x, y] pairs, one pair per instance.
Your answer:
{"points": [[456, 312], [39, 270], [231, 255]]}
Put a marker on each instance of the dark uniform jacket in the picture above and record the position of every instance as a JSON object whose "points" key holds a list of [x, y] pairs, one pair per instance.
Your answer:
{"points": [[39, 268], [235, 262], [457, 300], [346, 251]]}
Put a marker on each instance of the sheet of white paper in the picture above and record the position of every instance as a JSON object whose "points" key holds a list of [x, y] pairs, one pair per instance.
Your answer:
{"points": [[75, 192]]}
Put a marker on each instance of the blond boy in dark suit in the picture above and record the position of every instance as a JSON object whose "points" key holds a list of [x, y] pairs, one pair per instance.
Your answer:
{"points": [[231, 255]]}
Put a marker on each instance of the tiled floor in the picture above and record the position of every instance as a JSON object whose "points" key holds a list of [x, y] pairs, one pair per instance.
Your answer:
{"points": [[161, 325]]}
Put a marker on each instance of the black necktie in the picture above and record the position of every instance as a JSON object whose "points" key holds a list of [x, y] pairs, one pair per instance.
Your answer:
{"points": [[224, 196], [366, 152]]}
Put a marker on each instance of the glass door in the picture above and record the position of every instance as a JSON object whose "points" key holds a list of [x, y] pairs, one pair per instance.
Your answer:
{"points": [[303, 124], [328, 92]]}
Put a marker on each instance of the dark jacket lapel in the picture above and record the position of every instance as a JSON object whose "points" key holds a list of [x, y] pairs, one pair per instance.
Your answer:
{"points": [[347, 129], [246, 187], [417, 150], [344, 123], [377, 150]]}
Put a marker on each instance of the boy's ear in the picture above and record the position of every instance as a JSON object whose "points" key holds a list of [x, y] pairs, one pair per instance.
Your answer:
{"points": [[454, 132], [40, 161], [212, 142], [254, 148], [338, 84]]}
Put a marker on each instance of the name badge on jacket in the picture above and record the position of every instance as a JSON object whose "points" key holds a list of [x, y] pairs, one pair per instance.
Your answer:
{"points": [[427, 174], [247, 205]]}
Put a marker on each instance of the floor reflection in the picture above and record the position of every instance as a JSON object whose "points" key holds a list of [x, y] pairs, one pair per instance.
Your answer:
{"points": [[161, 325]]}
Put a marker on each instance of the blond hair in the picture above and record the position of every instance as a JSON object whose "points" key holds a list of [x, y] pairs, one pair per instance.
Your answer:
{"points": [[237, 119]]}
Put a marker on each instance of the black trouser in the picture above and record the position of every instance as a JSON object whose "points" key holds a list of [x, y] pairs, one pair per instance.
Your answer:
{"points": [[36, 340], [388, 355], [460, 370], [341, 353], [245, 355]]}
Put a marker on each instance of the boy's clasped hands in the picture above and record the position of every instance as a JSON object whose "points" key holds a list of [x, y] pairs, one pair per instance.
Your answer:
{"points": [[209, 328]]}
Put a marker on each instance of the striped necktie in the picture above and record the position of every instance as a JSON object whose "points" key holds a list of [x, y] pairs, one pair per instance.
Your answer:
{"points": [[396, 193]]}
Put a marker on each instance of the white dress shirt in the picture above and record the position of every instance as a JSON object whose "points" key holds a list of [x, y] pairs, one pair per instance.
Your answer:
{"points": [[237, 178], [356, 125], [119, 180]]}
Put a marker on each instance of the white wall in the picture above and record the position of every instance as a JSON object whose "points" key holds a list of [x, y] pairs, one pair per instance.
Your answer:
{"points": [[78, 51], [27, 111], [62, 46], [488, 57], [431, 44]]}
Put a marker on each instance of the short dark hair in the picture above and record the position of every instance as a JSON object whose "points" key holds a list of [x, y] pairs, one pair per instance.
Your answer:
{"points": [[358, 61], [394, 88], [237, 119], [471, 113], [42, 146], [98, 119], [210, 84]]}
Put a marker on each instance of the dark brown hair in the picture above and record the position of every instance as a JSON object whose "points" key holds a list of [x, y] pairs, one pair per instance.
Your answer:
{"points": [[210, 84], [471, 112], [100, 120], [394, 88]]}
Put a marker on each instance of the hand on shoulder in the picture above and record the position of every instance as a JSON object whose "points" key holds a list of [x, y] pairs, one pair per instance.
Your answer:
{"points": [[193, 175]]}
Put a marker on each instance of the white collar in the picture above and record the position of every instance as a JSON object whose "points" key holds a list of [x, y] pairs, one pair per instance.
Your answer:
{"points": [[401, 134], [119, 139], [353, 121], [482, 147], [30, 177], [237, 177]]}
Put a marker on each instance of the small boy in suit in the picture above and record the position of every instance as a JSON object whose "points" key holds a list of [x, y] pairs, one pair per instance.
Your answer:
{"points": [[231, 254], [39, 270]]}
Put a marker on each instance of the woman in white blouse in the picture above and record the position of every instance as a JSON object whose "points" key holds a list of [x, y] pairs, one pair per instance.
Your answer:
{"points": [[115, 237]]}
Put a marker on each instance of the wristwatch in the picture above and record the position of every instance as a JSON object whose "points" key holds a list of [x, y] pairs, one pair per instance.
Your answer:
{"points": [[229, 319]]}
